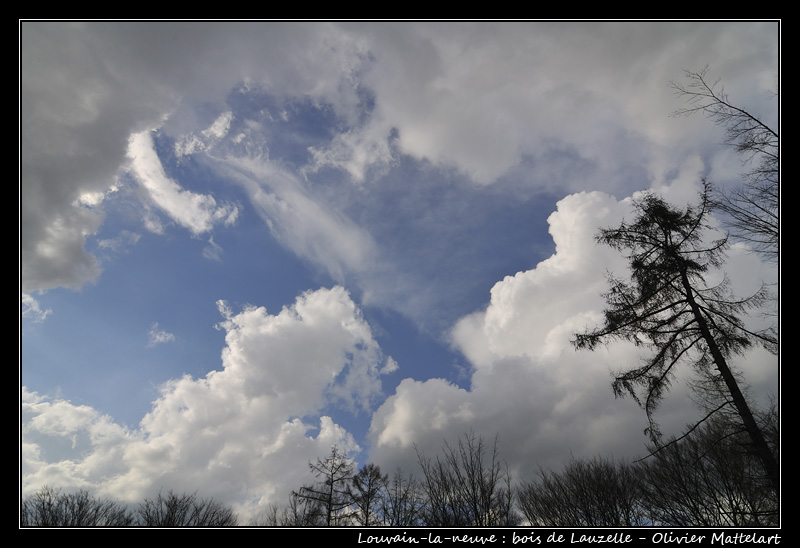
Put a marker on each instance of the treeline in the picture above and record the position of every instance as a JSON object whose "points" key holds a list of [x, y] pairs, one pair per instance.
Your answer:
{"points": [[710, 477], [51, 507]]}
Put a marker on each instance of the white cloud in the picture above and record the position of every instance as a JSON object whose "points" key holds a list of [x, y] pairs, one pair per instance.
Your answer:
{"points": [[91, 445], [220, 127], [301, 220], [196, 212], [158, 336], [31, 309], [482, 98], [354, 152], [528, 384], [343, 363], [193, 143], [213, 251], [241, 434], [125, 240]]}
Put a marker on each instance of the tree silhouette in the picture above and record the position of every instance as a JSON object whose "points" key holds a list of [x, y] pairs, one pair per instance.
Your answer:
{"points": [[467, 486], [402, 504], [711, 478], [366, 492], [332, 492], [184, 510], [586, 493], [753, 209], [667, 306], [50, 507]]}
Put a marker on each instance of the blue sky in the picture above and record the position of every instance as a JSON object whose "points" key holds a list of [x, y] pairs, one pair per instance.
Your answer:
{"points": [[241, 243]]}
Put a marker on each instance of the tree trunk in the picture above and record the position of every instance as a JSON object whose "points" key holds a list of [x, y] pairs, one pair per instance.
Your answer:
{"points": [[756, 436]]}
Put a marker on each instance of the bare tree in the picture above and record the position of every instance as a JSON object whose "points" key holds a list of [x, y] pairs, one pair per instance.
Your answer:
{"points": [[467, 486], [332, 491], [184, 510], [753, 209], [366, 492], [586, 493], [667, 306], [50, 507], [402, 504], [303, 512], [711, 478], [271, 516]]}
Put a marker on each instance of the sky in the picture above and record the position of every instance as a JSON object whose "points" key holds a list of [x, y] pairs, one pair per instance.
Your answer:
{"points": [[244, 242]]}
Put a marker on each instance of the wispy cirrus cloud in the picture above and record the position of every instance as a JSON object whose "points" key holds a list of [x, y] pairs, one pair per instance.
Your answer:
{"points": [[302, 221]]}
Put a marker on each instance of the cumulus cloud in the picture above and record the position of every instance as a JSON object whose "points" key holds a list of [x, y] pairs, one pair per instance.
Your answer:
{"points": [[243, 432], [528, 385], [89, 444], [342, 365]]}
